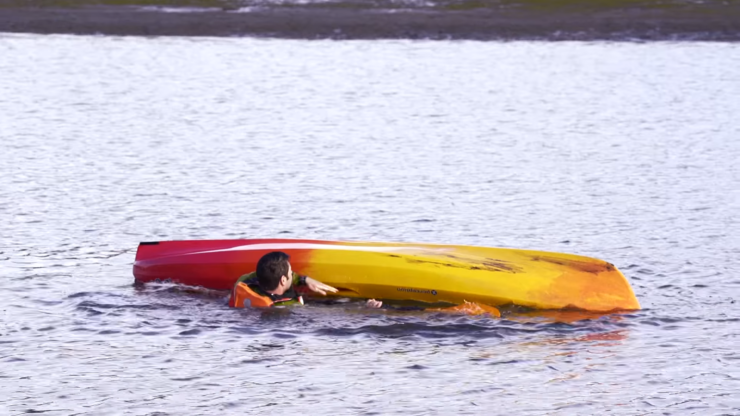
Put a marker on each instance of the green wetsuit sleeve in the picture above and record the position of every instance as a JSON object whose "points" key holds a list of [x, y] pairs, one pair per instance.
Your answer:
{"points": [[297, 280], [246, 278]]}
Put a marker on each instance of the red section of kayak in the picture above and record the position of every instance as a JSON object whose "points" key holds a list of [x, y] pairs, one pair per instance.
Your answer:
{"points": [[206, 263]]}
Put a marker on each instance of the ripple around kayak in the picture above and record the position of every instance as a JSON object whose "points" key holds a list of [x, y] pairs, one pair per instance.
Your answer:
{"points": [[402, 271]]}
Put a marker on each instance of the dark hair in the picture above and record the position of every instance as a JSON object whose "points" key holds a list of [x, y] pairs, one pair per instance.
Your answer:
{"points": [[270, 268]]}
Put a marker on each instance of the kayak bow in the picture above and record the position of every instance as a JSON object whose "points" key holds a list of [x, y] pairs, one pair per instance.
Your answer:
{"points": [[402, 271]]}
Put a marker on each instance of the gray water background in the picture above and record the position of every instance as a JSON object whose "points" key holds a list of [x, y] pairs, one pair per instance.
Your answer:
{"points": [[622, 151]]}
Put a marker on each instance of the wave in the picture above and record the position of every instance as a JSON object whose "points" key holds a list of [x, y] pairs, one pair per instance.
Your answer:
{"points": [[180, 311]]}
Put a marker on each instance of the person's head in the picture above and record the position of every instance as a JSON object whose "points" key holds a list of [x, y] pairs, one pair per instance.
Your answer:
{"points": [[274, 272]]}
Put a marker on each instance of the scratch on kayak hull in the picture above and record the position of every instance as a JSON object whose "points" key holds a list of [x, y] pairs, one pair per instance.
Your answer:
{"points": [[577, 265], [491, 265]]}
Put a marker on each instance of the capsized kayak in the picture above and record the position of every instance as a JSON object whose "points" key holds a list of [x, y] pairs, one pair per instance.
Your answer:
{"points": [[402, 271]]}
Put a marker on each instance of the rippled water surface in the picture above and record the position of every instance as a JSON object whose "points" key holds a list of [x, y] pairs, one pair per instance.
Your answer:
{"points": [[625, 152]]}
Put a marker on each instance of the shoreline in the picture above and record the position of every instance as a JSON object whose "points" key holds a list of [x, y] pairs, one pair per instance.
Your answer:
{"points": [[719, 23]]}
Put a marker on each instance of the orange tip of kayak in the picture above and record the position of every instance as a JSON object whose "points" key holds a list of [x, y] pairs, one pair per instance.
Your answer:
{"points": [[471, 308]]}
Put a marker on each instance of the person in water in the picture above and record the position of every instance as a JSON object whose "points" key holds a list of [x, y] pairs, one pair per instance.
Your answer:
{"points": [[274, 284]]}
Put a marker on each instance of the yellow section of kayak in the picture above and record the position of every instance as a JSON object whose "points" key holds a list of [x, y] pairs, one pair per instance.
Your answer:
{"points": [[456, 274]]}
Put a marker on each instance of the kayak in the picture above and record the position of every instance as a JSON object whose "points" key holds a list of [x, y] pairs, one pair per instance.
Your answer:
{"points": [[429, 273]]}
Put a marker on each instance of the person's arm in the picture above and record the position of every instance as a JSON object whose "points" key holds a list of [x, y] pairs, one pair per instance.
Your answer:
{"points": [[312, 284]]}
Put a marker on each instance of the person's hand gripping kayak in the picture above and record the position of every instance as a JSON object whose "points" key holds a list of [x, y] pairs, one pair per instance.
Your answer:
{"points": [[321, 288], [318, 287]]}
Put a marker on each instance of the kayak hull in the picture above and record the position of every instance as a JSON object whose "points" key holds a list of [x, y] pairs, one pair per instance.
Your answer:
{"points": [[402, 271]]}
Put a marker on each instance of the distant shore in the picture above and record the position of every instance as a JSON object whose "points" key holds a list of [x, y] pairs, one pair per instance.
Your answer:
{"points": [[314, 21]]}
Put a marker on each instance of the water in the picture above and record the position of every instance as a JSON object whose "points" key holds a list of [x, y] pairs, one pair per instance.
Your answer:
{"points": [[622, 151]]}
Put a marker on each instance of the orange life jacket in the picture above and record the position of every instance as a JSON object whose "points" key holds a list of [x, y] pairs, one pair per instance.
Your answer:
{"points": [[242, 296]]}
